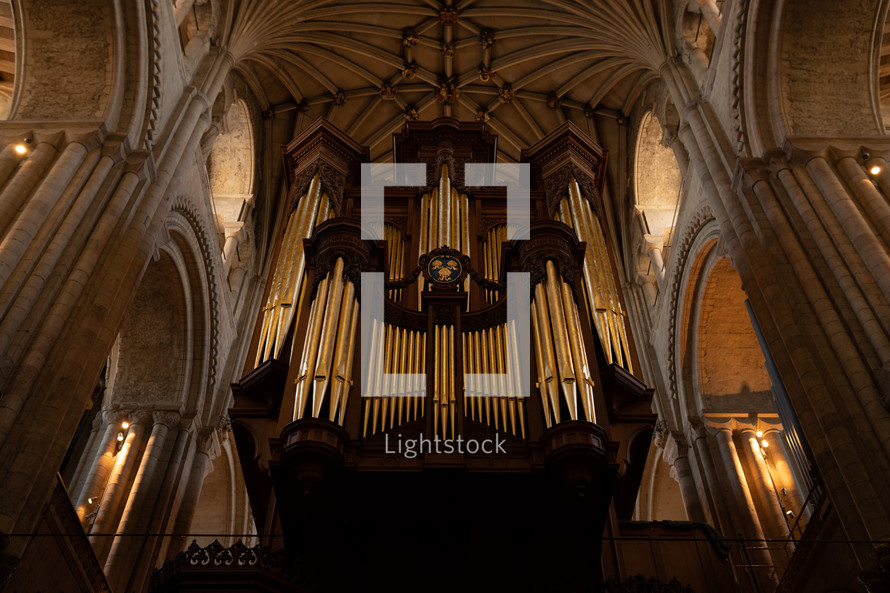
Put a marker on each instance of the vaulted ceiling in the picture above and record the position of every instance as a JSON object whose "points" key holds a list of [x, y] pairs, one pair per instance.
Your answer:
{"points": [[525, 66]]}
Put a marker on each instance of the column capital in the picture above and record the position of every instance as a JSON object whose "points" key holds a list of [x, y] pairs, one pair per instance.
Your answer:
{"points": [[168, 418]]}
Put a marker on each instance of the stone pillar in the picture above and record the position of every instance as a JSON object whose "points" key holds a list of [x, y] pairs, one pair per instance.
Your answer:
{"points": [[152, 551], [676, 455], [711, 13], [653, 250], [747, 512], [772, 517], [116, 491], [99, 467], [717, 497], [137, 512], [201, 466], [94, 441]]}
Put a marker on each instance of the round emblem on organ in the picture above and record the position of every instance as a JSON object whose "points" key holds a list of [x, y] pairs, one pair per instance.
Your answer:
{"points": [[444, 269]]}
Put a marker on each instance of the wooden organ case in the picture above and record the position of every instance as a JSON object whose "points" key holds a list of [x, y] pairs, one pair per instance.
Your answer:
{"points": [[324, 438]]}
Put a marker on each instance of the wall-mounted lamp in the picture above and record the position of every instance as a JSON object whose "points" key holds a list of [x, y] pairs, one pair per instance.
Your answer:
{"points": [[759, 433], [125, 425], [120, 437], [874, 169], [790, 513], [22, 147], [764, 443]]}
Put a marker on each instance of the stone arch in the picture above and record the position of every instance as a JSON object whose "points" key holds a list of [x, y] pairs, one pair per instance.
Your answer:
{"points": [[657, 179], [657, 184], [728, 368], [230, 165], [173, 319], [692, 254], [184, 241], [149, 360]]}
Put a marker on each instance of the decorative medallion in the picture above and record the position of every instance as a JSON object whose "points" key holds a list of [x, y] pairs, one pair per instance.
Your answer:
{"points": [[444, 269]]}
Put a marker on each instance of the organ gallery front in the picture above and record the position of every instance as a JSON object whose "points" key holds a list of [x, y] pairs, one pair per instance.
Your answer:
{"points": [[400, 426]]}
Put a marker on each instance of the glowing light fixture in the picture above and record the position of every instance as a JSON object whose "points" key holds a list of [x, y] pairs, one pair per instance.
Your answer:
{"points": [[759, 433], [120, 436], [21, 148], [874, 169], [125, 425], [764, 443]]}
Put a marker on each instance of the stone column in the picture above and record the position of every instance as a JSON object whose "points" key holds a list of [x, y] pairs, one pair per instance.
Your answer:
{"points": [[94, 442], [711, 13], [116, 491], [717, 499], [676, 455], [137, 512], [747, 512], [100, 466], [772, 519], [201, 466]]}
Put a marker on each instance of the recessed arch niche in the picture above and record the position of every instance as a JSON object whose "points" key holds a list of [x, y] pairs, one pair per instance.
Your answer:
{"points": [[730, 374], [148, 362]]}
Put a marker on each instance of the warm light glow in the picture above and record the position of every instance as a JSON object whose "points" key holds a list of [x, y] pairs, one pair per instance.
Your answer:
{"points": [[90, 500], [759, 433], [120, 436], [125, 425], [764, 443], [21, 148], [875, 169]]}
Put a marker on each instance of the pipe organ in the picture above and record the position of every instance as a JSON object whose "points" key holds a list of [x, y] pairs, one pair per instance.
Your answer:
{"points": [[332, 410]]}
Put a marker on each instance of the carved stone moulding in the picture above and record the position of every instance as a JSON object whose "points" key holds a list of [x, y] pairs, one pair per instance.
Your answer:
{"points": [[550, 240], [339, 237], [565, 153], [445, 141], [325, 150]]}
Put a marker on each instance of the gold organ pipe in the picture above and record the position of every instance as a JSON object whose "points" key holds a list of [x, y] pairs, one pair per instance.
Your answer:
{"points": [[546, 336], [279, 310], [469, 410], [343, 345], [422, 366], [509, 368], [591, 275], [491, 352], [424, 238], [454, 233], [345, 372], [452, 396], [561, 340], [543, 378], [520, 396], [383, 361], [579, 357], [310, 349], [401, 370], [369, 380], [444, 220], [482, 353], [437, 371], [465, 241], [322, 370], [498, 355]]}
